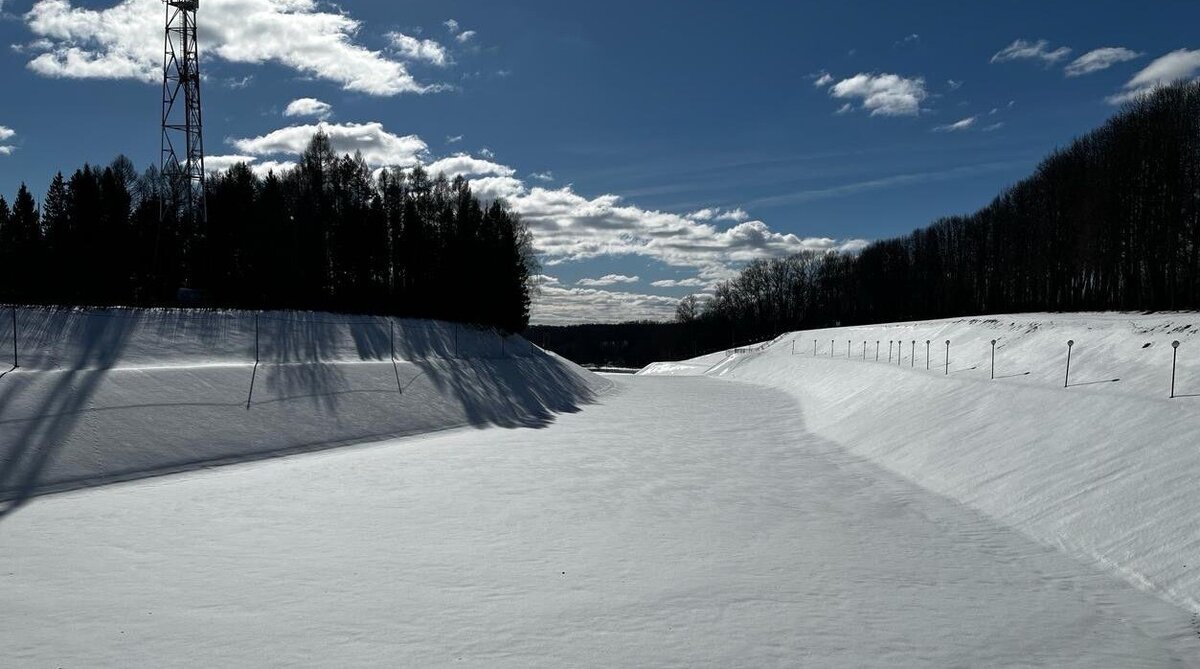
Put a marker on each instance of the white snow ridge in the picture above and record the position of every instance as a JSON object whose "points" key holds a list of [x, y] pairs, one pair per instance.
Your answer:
{"points": [[759, 509]]}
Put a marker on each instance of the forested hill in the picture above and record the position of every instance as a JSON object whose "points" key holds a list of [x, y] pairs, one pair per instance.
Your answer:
{"points": [[326, 235], [1110, 222]]}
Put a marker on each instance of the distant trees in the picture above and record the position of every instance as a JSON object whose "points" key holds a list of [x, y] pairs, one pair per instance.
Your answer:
{"points": [[1110, 222], [329, 234]]}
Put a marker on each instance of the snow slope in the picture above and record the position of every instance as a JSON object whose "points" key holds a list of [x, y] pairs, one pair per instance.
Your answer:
{"points": [[1105, 469], [104, 395], [677, 522]]}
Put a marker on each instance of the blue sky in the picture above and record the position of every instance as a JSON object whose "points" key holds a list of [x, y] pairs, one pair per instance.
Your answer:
{"points": [[645, 142]]}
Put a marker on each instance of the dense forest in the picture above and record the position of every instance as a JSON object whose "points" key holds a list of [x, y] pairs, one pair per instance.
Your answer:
{"points": [[328, 234], [1110, 222]]}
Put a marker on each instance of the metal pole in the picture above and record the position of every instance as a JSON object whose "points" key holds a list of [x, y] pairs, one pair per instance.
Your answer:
{"points": [[256, 339], [831, 348], [926, 355], [947, 357], [814, 348], [847, 349], [864, 350], [14, 324], [1067, 378], [1174, 357], [912, 357], [993, 359], [793, 347], [876, 350], [889, 351]]}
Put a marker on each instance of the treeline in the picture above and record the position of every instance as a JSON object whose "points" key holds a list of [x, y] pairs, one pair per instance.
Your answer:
{"points": [[1111, 222], [637, 344], [326, 235]]}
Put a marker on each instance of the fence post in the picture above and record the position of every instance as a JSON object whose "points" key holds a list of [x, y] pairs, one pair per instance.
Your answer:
{"points": [[1067, 378], [253, 374], [14, 324], [876, 350], [1174, 357], [912, 356], [889, 351], [993, 359], [814, 348], [927, 355], [947, 357], [864, 350], [831, 348]]}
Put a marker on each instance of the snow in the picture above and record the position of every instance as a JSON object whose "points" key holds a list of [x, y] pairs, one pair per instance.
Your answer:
{"points": [[104, 395], [1104, 470], [673, 522]]}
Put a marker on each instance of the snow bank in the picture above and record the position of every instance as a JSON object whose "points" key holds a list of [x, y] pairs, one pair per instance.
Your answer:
{"points": [[1105, 468], [104, 395]]}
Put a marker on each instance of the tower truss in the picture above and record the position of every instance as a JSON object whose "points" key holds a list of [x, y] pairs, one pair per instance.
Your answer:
{"points": [[182, 157]]}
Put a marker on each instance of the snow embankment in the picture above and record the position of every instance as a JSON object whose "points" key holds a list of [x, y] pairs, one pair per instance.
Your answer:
{"points": [[112, 394], [1105, 468]]}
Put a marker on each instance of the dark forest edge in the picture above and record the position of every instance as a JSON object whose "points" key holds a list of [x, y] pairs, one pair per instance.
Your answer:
{"points": [[327, 235], [1111, 222]]}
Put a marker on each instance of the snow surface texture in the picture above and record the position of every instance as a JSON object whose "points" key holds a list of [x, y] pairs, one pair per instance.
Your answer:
{"points": [[1105, 469], [104, 395], [677, 522]]}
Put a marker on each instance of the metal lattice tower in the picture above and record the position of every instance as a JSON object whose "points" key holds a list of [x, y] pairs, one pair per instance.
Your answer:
{"points": [[181, 118]]}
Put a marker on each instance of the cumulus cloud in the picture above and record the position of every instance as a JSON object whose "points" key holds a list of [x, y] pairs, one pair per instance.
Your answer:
{"points": [[681, 283], [542, 176], [964, 124], [718, 214], [883, 94], [559, 305], [378, 146], [608, 280], [7, 133], [309, 107], [454, 139], [124, 41], [425, 50], [823, 80], [465, 36], [1099, 59], [1026, 50], [1181, 64], [464, 165], [451, 25]]}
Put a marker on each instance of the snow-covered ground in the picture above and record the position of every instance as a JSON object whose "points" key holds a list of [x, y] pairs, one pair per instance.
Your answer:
{"points": [[676, 522], [1105, 469], [104, 395]]}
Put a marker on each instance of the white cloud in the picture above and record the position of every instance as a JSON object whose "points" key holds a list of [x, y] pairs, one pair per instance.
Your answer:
{"points": [[824, 80], [1026, 50], [125, 42], [718, 214], [451, 25], [845, 109], [7, 133], [222, 163], [558, 305], [608, 280], [681, 283], [454, 139], [883, 94], [954, 85], [309, 107], [464, 165], [1099, 59], [487, 153], [378, 146], [964, 124], [465, 36], [993, 127], [542, 176], [425, 50], [1181, 64], [910, 39]]}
